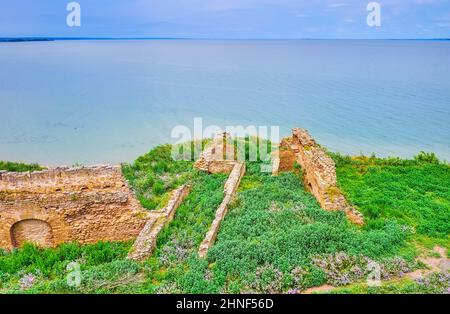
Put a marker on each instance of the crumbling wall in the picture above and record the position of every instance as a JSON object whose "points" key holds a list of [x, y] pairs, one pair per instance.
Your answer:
{"points": [[158, 219], [230, 188], [319, 172], [219, 157], [84, 204], [32, 230]]}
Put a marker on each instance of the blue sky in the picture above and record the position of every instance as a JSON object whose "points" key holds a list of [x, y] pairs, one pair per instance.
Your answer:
{"points": [[226, 18]]}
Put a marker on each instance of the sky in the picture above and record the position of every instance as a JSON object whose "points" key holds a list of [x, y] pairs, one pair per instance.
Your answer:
{"points": [[239, 19]]}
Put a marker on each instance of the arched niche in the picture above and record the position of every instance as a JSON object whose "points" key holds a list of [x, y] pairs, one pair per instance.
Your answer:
{"points": [[34, 231]]}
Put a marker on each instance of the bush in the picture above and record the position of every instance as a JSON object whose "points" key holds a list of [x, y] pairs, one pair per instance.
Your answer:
{"points": [[413, 192], [438, 283], [424, 157], [19, 167], [154, 175], [53, 262], [267, 279], [278, 227]]}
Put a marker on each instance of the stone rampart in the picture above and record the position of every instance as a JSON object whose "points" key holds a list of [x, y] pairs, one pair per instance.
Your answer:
{"points": [[83, 204], [319, 172]]}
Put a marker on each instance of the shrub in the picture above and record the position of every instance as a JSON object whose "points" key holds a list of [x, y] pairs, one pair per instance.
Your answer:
{"points": [[342, 269], [52, 262], [277, 223], [19, 167], [153, 175], [413, 192], [267, 279], [438, 283], [424, 157]]}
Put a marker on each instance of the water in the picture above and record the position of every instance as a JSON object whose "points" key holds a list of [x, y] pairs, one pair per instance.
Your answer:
{"points": [[87, 102]]}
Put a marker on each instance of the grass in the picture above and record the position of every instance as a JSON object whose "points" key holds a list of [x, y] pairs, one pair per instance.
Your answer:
{"points": [[176, 253], [411, 192], [434, 283], [274, 239], [47, 268], [19, 167], [268, 240], [153, 175]]}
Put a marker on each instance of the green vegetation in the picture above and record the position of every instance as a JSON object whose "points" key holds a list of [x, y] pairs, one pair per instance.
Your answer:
{"points": [[176, 253], [411, 192], [436, 283], [37, 270], [19, 167], [275, 237], [268, 239], [155, 174]]}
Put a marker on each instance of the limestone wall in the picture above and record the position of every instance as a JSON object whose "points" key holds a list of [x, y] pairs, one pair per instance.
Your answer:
{"points": [[231, 185], [319, 172], [84, 204], [219, 157], [146, 241]]}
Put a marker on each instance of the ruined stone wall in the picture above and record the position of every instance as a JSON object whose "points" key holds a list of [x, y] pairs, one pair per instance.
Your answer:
{"points": [[219, 157], [319, 172], [158, 219], [84, 204], [230, 188]]}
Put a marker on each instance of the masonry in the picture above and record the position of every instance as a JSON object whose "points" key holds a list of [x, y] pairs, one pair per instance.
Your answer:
{"points": [[158, 219], [220, 158], [319, 172], [84, 205]]}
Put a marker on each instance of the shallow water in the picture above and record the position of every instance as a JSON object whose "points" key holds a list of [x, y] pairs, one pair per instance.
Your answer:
{"points": [[67, 102]]}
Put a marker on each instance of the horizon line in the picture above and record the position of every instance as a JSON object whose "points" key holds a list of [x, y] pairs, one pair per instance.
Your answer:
{"points": [[61, 38]]}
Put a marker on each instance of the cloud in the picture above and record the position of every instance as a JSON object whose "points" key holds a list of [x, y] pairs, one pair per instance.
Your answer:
{"points": [[337, 5], [224, 18]]}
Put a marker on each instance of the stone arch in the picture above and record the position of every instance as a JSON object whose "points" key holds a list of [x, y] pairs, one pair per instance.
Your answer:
{"points": [[32, 230]]}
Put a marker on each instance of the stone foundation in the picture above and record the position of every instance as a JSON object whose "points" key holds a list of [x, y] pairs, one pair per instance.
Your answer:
{"points": [[230, 188], [85, 205], [146, 241], [319, 172], [218, 157]]}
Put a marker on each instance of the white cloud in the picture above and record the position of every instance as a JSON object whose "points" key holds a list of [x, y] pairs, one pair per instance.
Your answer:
{"points": [[337, 5]]}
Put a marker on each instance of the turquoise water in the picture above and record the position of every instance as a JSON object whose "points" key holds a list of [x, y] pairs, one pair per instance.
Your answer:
{"points": [[67, 102]]}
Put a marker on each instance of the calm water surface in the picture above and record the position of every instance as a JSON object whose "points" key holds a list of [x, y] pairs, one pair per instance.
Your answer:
{"points": [[69, 102]]}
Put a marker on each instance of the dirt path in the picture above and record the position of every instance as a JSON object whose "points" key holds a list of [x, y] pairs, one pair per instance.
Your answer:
{"points": [[324, 288], [434, 264]]}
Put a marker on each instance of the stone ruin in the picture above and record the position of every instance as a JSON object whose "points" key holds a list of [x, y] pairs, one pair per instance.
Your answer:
{"points": [[84, 205], [91, 204], [230, 188], [146, 241], [220, 158], [319, 172]]}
